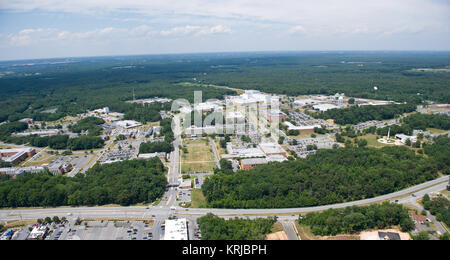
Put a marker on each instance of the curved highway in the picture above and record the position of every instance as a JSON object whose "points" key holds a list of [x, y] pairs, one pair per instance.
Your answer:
{"points": [[162, 211]]}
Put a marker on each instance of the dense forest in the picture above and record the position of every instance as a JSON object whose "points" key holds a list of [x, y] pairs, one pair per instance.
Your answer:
{"points": [[328, 177], [423, 121], [78, 84], [439, 153], [358, 114], [216, 228], [353, 73], [155, 147], [439, 207], [90, 83], [125, 183], [90, 124], [355, 219]]}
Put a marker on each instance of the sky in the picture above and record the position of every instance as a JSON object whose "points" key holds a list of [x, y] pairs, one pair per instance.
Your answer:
{"points": [[32, 29]]}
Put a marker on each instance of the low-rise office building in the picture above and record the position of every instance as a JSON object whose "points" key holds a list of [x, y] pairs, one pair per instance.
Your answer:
{"points": [[272, 149], [247, 164], [16, 155], [176, 229], [14, 172]]}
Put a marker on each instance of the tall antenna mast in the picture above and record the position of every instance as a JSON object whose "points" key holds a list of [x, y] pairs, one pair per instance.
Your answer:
{"points": [[134, 96]]}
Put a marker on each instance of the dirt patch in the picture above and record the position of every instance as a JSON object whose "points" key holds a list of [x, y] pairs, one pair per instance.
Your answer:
{"points": [[280, 235]]}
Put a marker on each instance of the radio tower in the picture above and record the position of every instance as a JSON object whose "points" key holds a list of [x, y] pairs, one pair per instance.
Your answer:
{"points": [[134, 96]]}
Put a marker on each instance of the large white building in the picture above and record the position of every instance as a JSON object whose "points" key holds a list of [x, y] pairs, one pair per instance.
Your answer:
{"points": [[325, 107], [176, 229], [272, 149], [127, 124], [403, 138], [46, 132], [252, 97]]}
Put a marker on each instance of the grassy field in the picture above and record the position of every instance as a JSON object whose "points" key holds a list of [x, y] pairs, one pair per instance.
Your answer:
{"points": [[198, 158], [437, 131], [372, 141], [198, 200], [45, 159], [152, 124]]}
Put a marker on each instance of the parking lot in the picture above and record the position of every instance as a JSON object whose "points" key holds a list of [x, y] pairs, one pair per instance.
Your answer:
{"points": [[112, 230]]}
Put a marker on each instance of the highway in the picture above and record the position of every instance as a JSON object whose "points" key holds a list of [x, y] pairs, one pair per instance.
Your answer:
{"points": [[162, 211]]}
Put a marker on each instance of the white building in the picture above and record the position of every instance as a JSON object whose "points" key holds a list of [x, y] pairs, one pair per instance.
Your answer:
{"points": [[104, 110], [127, 124], [304, 102], [272, 149], [208, 107], [276, 158], [176, 229], [252, 97], [301, 128], [324, 107], [38, 232], [47, 132], [403, 138]]}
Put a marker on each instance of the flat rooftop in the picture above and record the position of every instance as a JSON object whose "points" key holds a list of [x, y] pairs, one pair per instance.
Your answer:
{"points": [[176, 229]]}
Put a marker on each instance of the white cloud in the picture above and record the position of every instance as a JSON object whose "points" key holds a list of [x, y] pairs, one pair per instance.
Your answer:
{"points": [[320, 17], [156, 26], [297, 29], [195, 30], [31, 36]]}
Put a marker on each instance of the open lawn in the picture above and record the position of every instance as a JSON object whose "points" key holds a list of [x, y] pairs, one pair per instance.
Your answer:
{"points": [[151, 124], [198, 200], [437, 131], [45, 159], [198, 158], [372, 141]]}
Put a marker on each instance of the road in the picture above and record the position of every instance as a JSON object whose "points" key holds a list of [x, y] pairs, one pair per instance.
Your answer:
{"points": [[432, 218], [162, 211], [213, 149], [288, 226]]}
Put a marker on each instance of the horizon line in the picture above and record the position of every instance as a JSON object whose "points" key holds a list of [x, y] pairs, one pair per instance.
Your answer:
{"points": [[213, 52]]}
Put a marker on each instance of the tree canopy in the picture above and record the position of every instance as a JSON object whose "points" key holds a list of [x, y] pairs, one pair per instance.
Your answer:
{"points": [[216, 228], [328, 177], [125, 183], [356, 219]]}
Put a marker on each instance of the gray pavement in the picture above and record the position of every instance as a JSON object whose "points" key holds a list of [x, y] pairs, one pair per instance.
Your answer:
{"points": [[288, 226], [213, 149]]}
